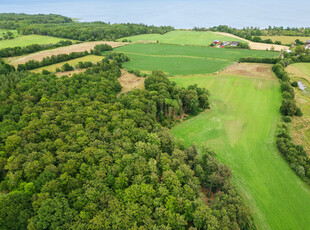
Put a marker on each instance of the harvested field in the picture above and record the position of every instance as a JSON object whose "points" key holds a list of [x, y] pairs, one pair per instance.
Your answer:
{"points": [[15, 61], [250, 69], [257, 45], [285, 39], [130, 81]]}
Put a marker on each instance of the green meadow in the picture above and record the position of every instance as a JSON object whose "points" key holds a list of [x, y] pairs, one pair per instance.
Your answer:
{"points": [[303, 67], [183, 60], [2, 31], [29, 40], [241, 128], [182, 38]]}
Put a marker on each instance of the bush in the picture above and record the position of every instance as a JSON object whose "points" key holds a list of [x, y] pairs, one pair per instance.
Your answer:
{"points": [[66, 67], [294, 84], [287, 119], [298, 112], [45, 72], [103, 47]]}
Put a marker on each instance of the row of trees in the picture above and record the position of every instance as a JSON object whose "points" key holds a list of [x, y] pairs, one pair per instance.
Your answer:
{"points": [[73, 155], [46, 61], [294, 154], [17, 51], [259, 60]]}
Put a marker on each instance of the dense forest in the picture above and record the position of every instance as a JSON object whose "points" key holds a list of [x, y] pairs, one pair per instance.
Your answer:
{"points": [[16, 21], [74, 155], [93, 31]]}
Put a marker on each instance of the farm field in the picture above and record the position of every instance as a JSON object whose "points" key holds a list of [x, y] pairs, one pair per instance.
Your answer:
{"points": [[15, 61], [240, 127], [183, 60], [74, 62], [2, 31], [300, 126], [182, 38], [285, 39], [29, 40]]}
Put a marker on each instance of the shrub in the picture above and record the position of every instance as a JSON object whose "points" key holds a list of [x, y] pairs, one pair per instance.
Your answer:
{"points": [[294, 84]]}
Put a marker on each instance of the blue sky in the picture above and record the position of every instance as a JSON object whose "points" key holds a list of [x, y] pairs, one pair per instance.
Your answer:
{"points": [[181, 14]]}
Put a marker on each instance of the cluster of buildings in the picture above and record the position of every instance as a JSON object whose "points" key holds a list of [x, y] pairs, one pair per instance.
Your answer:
{"points": [[218, 43], [307, 44]]}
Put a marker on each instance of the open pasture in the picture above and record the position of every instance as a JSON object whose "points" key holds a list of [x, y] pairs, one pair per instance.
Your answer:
{"points": [[184, 60], [240, 127], [182, 38], [29, 40]]}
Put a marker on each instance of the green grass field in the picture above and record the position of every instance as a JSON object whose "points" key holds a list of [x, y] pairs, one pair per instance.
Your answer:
{"points": [[183, 60], [240, 127], [2, 31], [182, 38], [74, 62], [303, 67], [285, 39], [29, 40]]}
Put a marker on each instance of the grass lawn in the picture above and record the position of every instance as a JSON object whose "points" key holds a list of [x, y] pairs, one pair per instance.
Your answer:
{"points": [[183, 60], [2, 31], [182, 38], [240, 127], [74, 62], [285, 39], [29, 40], [303, 67]]}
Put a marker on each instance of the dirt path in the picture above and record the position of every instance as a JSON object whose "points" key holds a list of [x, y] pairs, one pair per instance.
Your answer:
{"points": [[61, 50], [257, 45], [130, 81]]}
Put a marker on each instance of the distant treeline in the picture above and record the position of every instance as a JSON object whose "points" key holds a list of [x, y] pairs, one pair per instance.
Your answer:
{"points": [[254, 33], [15, 21], [259, 60], [93, 31], [17, 51]]}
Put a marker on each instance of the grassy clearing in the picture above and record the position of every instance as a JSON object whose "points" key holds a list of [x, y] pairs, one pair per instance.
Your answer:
{"points": [[183, 60], [182, 38], [74, 62], [2, 31], [285, 39], [240, 127], [300, 125], [29, 40]]}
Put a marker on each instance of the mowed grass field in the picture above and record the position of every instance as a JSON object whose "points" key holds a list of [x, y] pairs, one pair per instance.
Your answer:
{"points": [[182, 38], [2, 31], [183, 60], [240, 127], [29, 40], [74, 62], [285, 39]]}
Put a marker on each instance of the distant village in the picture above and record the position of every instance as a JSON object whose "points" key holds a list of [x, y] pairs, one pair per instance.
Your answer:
{"points": [[218, 43]]}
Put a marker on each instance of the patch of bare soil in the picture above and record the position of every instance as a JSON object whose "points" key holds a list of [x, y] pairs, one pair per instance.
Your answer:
{"points": [[70, 73], [257, 45], [15, 61], [130, 81], [208, 196], [250, 69]]}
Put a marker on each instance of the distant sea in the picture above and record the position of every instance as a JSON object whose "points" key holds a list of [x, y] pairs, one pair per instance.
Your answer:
{"points": [[180, 14]]}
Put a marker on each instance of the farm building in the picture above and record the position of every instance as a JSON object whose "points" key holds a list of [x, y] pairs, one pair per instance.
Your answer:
{"points": [[308, 42], [226, 43], [234, 43], [216, 42]]}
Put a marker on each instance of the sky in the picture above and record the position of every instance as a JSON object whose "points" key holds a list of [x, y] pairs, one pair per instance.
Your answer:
{"points": [[180, 14]]}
